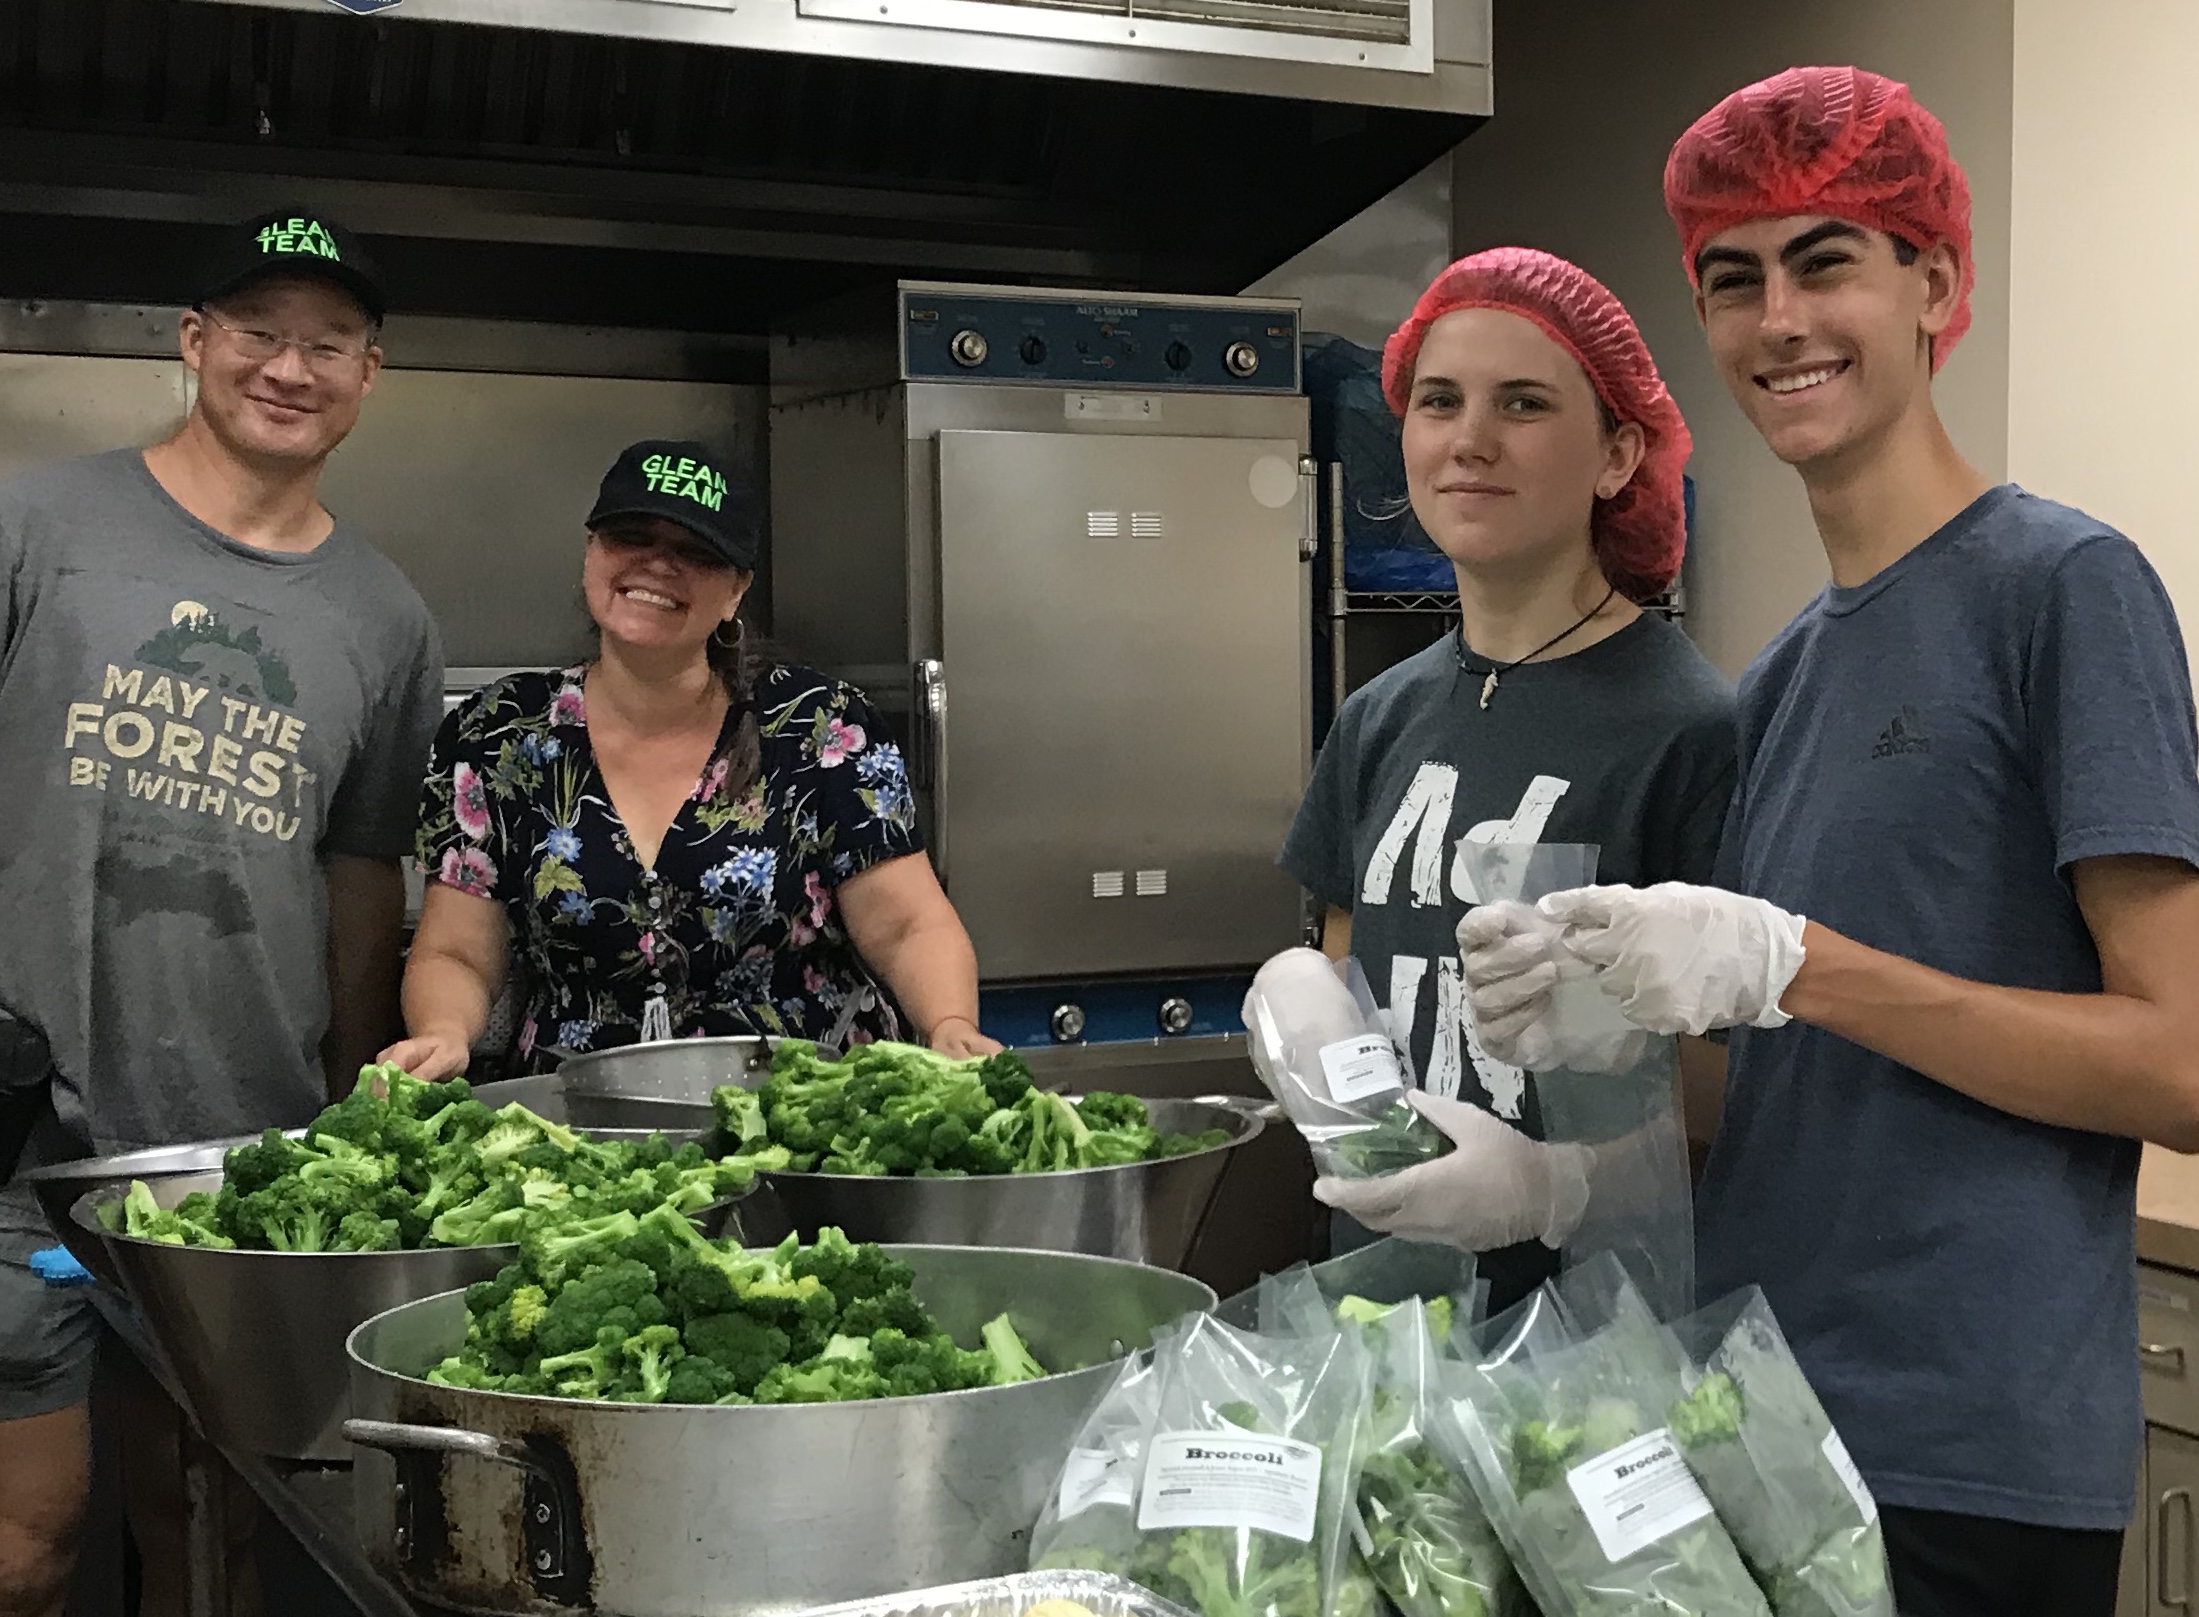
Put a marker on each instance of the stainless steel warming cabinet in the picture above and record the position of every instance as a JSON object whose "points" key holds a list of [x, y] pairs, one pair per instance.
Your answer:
{"points": [[1063, 538]]}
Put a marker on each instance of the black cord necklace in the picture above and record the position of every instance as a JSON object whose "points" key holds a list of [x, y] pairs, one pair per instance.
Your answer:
{"points": [[1489, 684]]}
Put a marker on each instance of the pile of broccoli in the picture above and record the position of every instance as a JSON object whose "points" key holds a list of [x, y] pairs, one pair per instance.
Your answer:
{"points": [[402, 1163], [888, 1108], [645, 1309]]}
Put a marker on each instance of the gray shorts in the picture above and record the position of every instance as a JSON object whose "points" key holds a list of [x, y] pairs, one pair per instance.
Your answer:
{"points": [[49, 1335]]}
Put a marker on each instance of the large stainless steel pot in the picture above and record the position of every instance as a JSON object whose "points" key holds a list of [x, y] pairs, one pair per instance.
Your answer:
{"points": [[493, 1503], [1146, 1212], [256, 1339]]}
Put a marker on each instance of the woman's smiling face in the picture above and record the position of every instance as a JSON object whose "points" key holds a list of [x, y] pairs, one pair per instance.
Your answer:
{"points": [[651, 583]]}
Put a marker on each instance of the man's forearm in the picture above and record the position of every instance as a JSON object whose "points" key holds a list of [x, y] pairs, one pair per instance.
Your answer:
{"points": [[366, 919], [2105, 1062]]}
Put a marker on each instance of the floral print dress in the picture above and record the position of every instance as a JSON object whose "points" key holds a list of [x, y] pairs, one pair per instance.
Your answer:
{"points": [[735, 929]]}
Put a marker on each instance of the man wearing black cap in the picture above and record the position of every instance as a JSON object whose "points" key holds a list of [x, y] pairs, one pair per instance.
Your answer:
{"points": [[215, 702]]}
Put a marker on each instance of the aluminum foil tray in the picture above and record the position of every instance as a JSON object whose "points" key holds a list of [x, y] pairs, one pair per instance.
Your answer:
{"points": [[1104, 1594]]}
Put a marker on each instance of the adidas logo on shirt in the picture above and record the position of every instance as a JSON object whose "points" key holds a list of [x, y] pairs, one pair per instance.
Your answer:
{"points": [[1904, 735]]}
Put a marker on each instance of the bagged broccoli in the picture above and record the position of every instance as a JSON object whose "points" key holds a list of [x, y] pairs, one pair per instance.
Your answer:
{"points": [[1318, 1045], [1561, 1434], [1220, 1475], [1430, 1546], [1757, 1439]]}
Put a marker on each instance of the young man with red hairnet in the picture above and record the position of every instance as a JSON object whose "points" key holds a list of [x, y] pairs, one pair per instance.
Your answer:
{"points": [[1958, 943]]}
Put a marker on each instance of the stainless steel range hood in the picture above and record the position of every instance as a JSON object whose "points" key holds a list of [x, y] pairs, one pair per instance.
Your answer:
{"points": [[709, 165]]}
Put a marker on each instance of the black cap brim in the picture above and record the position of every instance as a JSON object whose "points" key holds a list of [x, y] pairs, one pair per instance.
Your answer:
{"points": [[362, 290], [722, 550]]}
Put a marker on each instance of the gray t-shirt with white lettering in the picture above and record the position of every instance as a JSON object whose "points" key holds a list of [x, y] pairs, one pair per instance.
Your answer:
{"points": [[1924, 757], [190, 727], [1628, 745]]}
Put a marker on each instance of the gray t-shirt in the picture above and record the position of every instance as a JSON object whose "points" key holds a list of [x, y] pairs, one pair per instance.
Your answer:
{"points": [[190, 726], [1628, 744], [1923, 758]]}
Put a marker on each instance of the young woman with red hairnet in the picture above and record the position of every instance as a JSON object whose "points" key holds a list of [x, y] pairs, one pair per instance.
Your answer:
{"points": [[1972, 764], [1542, 454]]}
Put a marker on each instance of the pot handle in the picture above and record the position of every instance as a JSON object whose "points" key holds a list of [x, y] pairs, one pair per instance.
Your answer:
{"points": [[558, 1563], [1264, 1107], [396, 1437]]}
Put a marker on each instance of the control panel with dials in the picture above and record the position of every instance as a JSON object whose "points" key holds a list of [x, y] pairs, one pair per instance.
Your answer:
{"points": [[1077, 340]]}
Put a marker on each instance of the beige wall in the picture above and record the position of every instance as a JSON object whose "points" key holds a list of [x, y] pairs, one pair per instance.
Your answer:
{"points": [[1589, 99], [2105, 330]]}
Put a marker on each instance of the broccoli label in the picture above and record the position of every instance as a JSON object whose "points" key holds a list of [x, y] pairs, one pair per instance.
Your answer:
{"points": [[1272, 1484], [1637, 1493], [1358, 1068], [1096, 1477]]}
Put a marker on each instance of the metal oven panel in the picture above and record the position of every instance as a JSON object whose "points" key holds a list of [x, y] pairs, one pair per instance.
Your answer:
{"points": [[1122, 627]]}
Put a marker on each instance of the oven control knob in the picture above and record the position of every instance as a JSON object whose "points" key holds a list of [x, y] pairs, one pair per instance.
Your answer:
{"points": [[1032, 350], [969, 348], [1067, 1023], [1241, 358], [1177, 356], [1175, 1015]]}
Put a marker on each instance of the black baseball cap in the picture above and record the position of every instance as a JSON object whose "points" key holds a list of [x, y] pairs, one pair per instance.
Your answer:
{"points": [[683, 482], [295, 241]]}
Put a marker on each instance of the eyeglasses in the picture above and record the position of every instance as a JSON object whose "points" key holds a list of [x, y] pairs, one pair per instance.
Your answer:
{"points": [[320, 355]]}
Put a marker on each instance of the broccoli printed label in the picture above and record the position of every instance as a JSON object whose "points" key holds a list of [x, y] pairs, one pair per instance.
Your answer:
{"points": [[1357, 1068], [1094, 1477], [1234, 1479], [1638, 1493], [1837, 1456]]}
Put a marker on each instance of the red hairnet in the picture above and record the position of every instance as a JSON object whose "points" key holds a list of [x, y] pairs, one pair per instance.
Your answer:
{"points": [[1640, 533], [1824, 140]]}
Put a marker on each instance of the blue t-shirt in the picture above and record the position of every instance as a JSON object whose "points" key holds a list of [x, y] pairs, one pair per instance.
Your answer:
{"points": [[1923, 757]]}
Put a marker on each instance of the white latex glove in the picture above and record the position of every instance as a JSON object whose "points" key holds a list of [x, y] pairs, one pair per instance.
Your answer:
{"points": [[1683, 959], [1517, 972], [1497, 1188]]}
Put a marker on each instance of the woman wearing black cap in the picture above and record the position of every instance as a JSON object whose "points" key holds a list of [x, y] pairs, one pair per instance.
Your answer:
{"points": [[684, 837]]}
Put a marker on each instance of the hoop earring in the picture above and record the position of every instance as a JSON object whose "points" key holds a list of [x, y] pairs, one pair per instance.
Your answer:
{"points": [[740, 633]]}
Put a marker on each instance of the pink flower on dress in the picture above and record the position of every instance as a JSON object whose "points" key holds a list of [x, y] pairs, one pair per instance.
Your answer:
{"points": [[527, 1035], [469, 870], [842, 742], [813, 980], [470, 801], [647, 943], [568, 707], [819, 896], [800, 934], [712, 782]]}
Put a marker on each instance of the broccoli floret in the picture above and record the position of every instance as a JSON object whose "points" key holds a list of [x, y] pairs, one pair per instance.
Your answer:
{"points": [[1542, 1453], [255, 1167], [1710, 1414], [618, 1295], [745, 1347], [588, 1372], [1103, 1109], [1012, 1361], [495, 1214], [913, 1362], [649, 1356], [1006, 1077], [290, 1218], [894, 1309], [551, 1251], [1058, 1134], [740, 1115], [822, 1381], [850, 1271], [696, 1380], [193, 1221], [364, 1232]]}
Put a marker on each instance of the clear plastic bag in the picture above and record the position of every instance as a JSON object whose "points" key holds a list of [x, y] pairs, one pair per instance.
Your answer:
{"points": [[1318, 1043], [1760, 1443], [1221, 1476], [1562, 1435], [1623, 1102], [1419, 1530]]}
